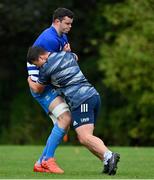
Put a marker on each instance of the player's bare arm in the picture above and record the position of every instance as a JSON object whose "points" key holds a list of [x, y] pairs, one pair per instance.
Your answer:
{"points": [[35, 86]]}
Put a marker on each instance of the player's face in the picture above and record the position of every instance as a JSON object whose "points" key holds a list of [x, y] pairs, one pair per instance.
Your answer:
{"points": [[42, 59], [65, 25]]}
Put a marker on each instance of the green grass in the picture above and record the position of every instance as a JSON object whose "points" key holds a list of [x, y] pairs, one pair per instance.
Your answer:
{"points": [[16, 162]]}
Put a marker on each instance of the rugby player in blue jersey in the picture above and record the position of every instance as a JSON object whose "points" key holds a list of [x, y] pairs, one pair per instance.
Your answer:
{"points": [[62, 70], [53, 39]]}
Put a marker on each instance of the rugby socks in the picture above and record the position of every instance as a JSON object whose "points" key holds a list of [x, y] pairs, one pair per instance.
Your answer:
{"points": [[43, 154], [107, 156], [54, 140]]}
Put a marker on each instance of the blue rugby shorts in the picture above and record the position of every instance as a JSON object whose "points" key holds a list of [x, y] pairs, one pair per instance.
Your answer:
{"points": [[45, 98]]}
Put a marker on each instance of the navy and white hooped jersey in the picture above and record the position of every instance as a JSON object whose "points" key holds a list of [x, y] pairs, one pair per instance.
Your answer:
{"points": [[63, 71], [51, 42], [33, 71]]}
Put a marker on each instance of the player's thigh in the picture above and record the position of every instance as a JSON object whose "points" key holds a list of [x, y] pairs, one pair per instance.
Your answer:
{"points": [[61, 112], [58, 100], [60, 109]]}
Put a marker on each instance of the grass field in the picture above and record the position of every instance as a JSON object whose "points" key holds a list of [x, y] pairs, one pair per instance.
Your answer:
{"points": [[16, 162]]}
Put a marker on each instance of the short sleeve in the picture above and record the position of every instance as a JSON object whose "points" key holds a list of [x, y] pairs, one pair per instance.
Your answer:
{"points": [[43, 78]]}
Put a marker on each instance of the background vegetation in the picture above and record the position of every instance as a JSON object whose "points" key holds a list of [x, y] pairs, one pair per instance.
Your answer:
{"points": [[114, 40]]}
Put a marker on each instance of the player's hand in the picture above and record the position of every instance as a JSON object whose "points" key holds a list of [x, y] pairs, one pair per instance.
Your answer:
{"points": [[76, 57], [29, 79], [67, 47]]}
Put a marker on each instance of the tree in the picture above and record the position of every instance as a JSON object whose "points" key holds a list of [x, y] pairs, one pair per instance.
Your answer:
{"points": [[127, 64]]}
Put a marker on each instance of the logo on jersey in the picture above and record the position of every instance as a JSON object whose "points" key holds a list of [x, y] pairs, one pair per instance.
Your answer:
{"points": [[84, 107]]}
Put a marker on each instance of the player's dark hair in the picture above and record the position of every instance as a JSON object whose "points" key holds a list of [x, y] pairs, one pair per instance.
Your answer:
{"points": [[60, 13], [34, 53]]}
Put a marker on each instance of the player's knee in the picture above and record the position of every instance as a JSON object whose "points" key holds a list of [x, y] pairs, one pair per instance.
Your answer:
{"points": [[62, 113], [65, 117]]}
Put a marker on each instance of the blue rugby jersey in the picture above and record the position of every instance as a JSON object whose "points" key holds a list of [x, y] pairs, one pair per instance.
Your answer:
{"points": [[50, 41], [63, 71]]}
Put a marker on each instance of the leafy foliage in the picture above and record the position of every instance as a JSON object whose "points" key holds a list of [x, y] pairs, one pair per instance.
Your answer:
{"points": [[127, 63]]}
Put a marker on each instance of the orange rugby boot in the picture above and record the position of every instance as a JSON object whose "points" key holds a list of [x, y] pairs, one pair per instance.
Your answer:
{"points": [[39, 168], [51, 166]]}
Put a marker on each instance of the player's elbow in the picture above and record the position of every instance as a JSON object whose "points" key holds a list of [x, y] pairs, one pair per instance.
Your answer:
{"points": [[37, 90]]}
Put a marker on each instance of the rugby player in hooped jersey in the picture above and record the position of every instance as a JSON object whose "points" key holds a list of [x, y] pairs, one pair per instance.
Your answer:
{"points": [[62, 70], [53, 39]]}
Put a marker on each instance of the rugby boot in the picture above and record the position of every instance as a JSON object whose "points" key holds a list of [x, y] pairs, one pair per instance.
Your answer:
{"points": [[111, 166], [39, 168], [52, 166]]}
